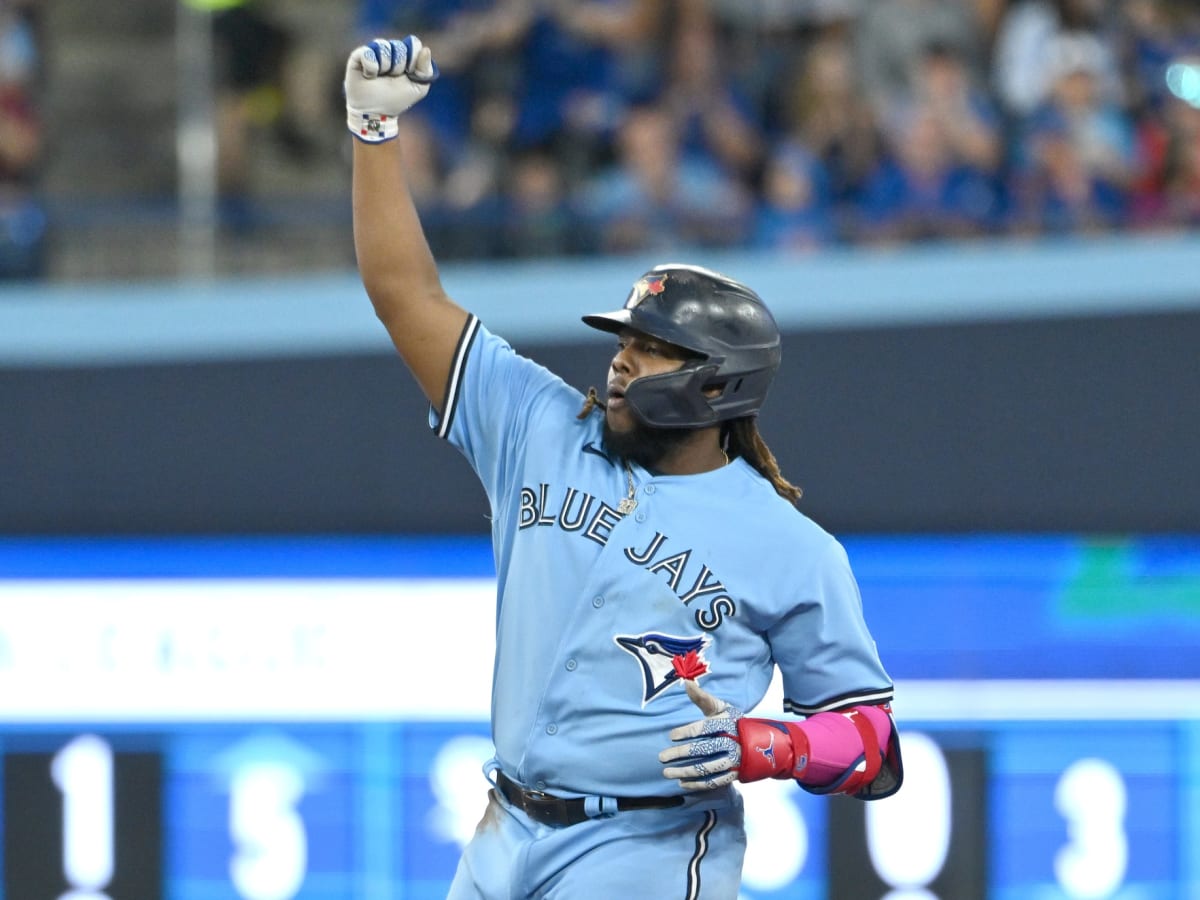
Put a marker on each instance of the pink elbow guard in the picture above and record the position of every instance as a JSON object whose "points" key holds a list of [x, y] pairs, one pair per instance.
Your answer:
{"points": [[831, 752]]}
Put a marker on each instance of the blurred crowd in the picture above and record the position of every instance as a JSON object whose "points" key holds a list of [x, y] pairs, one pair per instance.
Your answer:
{"points": [[565, 127], [22, 218]]}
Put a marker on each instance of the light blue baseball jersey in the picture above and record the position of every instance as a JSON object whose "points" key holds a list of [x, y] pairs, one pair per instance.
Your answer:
{"points": [[715, 571]]}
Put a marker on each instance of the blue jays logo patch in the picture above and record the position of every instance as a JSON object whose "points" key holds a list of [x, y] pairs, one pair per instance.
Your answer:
{"points": [[645, 287], [664, 659]]}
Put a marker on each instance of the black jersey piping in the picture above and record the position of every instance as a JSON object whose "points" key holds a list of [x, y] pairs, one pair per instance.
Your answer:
{"points": [[454, 381], [854, 698]]}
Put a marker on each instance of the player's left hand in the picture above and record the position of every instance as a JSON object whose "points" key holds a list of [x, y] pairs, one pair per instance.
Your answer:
{"points": [[712, 754], [383, 79]]}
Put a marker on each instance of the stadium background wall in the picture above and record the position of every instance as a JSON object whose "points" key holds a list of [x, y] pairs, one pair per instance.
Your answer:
{"points": [[1080, 424], [987, 387]]}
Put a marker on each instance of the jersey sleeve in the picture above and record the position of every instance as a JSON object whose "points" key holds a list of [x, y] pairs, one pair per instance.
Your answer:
{"points": [[495, 399], [823, 646]]}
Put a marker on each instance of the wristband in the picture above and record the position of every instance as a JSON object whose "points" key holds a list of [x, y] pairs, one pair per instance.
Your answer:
{"points": [[372, 128], [771, 749]]}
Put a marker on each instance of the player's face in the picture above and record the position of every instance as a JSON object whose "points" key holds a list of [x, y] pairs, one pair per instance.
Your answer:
{"points": [[638, 355]]}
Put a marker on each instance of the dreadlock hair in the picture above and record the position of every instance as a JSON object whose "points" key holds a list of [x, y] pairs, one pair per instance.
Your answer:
{"points": [[742, 439], [739, 437], [590, 402]]}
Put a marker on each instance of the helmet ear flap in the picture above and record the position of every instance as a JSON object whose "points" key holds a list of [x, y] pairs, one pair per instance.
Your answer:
{"points": [[745, 393], [674, 399]]}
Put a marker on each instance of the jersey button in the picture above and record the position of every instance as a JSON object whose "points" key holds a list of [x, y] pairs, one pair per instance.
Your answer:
{"points": [[641, 517], [597, 602], [540, 785], [551, 728], [571, 664], [649, 489]]}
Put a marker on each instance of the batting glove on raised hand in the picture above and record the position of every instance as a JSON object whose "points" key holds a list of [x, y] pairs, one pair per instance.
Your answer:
{"points": [[383, 79], [712, 755]]}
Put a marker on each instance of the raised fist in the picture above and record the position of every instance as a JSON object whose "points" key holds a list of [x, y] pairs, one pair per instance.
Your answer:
{"points": [[383, 79]]}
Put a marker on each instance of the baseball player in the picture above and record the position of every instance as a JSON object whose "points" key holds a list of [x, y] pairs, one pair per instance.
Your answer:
{"points": [[653, 569]]}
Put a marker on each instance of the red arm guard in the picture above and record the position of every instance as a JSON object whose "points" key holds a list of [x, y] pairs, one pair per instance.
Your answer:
{"points": [[833, 752]]}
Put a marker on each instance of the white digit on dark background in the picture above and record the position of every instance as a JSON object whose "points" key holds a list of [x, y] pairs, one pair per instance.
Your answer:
{"points": [[908, 835], [83, 772]]}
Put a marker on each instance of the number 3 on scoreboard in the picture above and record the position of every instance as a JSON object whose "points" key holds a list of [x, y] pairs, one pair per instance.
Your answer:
{"points": [[1090, 796]]}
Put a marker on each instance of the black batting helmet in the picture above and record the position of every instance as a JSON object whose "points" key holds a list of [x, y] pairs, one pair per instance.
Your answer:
{"points": [[725, 324]]}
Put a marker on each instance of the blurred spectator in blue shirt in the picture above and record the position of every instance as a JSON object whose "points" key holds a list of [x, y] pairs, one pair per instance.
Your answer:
{"points": [[582, 61], [944, 87], [709, 114], [762, 41], [795, 214], [536, 216], [1078, 158], [653, 197], [23, 221], [825, 110], [921, 191], [1059, 194]]}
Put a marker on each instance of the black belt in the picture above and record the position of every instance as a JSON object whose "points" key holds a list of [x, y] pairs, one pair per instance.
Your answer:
{"points": [[561, 811]]}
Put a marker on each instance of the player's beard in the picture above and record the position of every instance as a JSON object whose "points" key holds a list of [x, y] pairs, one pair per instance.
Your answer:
{"points": [[643, 444]]}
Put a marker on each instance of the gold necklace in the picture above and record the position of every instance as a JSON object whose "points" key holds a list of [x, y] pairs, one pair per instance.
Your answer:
{"points": [[628, 504]]}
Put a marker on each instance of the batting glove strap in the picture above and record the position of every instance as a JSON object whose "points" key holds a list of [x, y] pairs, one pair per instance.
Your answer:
{"points": [[771, 749], [373, 128]]}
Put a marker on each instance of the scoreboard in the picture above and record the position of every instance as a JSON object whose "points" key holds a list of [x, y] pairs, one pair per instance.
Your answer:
{"points": [[1082, 809], [271, 719]]}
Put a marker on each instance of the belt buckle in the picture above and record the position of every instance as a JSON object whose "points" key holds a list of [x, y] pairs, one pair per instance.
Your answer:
{"points": [[538, 805], [545, 808]]}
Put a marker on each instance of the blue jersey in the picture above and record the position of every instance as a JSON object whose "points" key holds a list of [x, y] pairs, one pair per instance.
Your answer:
{"points": [[714, 576]]}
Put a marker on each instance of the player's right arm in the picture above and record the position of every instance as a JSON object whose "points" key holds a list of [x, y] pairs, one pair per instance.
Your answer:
{"points": [[383, 79]]}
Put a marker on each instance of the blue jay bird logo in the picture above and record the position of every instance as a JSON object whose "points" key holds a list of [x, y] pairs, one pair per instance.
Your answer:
{"points": [[651, 284], [656, 653]]}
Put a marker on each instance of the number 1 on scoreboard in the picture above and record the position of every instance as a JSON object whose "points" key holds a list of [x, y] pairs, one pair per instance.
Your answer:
{"points": [[83, 772]]}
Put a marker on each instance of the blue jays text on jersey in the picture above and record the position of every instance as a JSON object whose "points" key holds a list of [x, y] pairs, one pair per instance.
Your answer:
{"points": [[601, 615], [574, 513]]}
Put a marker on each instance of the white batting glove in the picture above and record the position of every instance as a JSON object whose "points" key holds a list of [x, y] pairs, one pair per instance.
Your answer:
{"points": [[383, 79], [712, 754]]}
